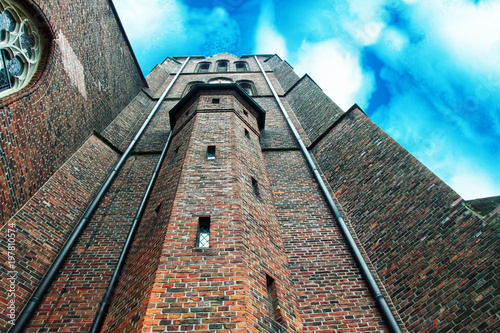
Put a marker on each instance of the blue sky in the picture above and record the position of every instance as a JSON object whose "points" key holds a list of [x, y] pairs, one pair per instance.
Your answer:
{"points": [[427, 72]]}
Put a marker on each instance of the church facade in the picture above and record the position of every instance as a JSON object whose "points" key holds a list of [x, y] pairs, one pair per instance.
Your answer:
{"points": [[220, 193]]}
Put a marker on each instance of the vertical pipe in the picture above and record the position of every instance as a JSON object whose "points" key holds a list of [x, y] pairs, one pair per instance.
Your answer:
{"points": [[46, 282], [106, 299], [372, 284]]}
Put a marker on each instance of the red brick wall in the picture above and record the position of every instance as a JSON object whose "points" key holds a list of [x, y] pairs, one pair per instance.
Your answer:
{"points": [[82, 281], [47, 219], [224, 286], [89, 77], [128, 307], [435, 258], [332, 295]]}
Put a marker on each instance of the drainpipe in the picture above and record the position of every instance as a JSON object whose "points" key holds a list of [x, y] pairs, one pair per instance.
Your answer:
{"points": [[372, 284], [46, 282], [106, 299]]}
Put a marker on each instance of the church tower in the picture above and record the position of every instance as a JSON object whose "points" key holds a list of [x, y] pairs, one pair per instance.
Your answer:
{"points": [[220, 193]]}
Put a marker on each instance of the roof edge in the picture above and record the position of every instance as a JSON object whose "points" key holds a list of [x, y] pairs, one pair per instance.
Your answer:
{"points": [[261, 119]]}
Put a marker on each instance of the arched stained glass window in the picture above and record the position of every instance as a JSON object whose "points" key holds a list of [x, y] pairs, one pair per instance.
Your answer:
{"points": [[20, 48]]}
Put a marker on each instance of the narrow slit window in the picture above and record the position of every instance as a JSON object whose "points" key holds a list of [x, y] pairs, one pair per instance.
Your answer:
{"points": [[203, 232], [211, 153], [177, 150], [272, 297], [245, 113], [247, 134], [255, 187], [215, 100], [157, 209]]}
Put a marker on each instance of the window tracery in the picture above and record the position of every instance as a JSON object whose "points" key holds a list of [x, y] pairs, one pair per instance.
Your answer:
{"points": [[20, 47]]}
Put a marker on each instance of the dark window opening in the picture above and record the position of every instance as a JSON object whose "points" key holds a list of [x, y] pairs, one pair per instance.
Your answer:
{"points": [[203, 239], [241, 67], [203, 67], [210, 152], [247, 134], [248, 87], [255, 187], [273, 298], [222, 66], [157, 209], [215, 100], [245, 113]]}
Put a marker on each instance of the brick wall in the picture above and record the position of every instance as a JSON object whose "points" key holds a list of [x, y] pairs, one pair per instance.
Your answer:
{"points": [[437, 260], [224, 286], [283, 72], [315, 111], [132, 294], [47, 219], [74, 296], [87, 66], [332, 295]]}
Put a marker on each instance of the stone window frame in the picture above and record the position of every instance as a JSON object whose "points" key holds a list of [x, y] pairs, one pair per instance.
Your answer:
{"points": [[19, 57]]}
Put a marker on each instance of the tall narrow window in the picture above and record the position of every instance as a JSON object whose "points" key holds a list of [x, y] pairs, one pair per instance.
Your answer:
{"points": [[203, 232], [222, 66], [203, 67], [255, 187], [211, 153], [20, 48], [247, 134], [272, 297]]}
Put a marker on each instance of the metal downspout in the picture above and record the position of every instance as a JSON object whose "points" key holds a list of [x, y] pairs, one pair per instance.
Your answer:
{"points": [[372, 284], [103, 307], [46, 282]]}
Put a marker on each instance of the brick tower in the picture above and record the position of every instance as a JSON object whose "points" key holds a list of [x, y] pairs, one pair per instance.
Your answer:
{"points": [[220, 193]]}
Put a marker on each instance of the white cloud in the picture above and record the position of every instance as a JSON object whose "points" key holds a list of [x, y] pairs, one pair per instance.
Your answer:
{"points": [[456, 159], [470, 32], [472, 183], [267, 39], [160, 28], [337, 71], [146, 20]]}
